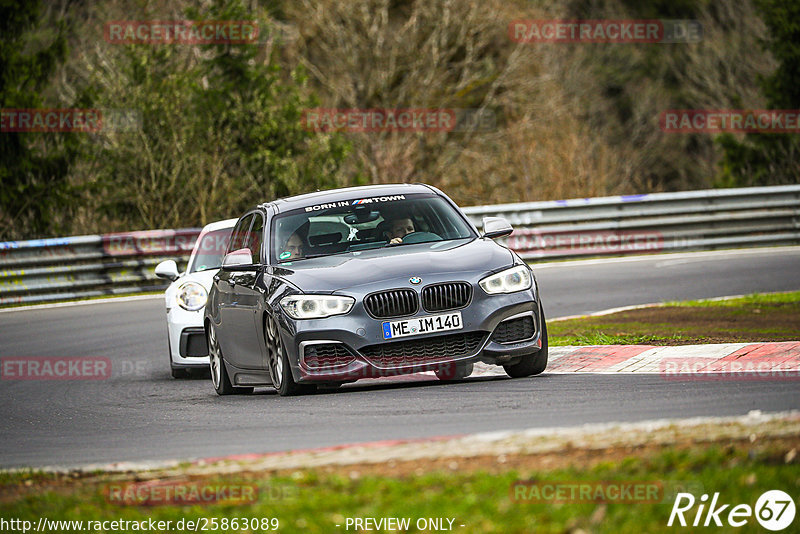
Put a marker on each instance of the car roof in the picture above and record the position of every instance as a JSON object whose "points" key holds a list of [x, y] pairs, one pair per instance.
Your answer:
{"points": [[347, 193], [219, 225]]}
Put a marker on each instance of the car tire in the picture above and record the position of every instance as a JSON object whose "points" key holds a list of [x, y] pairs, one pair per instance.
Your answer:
{"points": [[176, 372], [455, 371], [533, 363], [199, 372], [278, 361], [219, 374]]}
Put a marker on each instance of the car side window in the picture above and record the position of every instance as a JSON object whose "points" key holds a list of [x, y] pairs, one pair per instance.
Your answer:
{"points": [[239, 235], [254, 237]]}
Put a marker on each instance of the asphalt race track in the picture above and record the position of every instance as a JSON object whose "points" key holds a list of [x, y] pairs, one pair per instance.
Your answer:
{"points": [[140, 413]]}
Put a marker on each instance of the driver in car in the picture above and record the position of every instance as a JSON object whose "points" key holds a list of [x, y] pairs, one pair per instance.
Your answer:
{"points": [[295, 247], [398, 229]]}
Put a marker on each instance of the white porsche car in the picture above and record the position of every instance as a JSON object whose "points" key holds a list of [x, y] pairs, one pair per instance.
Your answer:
{"points": [[186, 298]]}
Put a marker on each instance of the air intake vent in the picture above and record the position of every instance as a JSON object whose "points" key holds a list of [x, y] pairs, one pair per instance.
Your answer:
{"points": [[514, 330], [394, 303], [320, 356], [425, 350], [449, 296]]}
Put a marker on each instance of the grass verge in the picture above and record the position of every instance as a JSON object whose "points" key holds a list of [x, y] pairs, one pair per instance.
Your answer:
{"points": [[754, 318], [481, 498]]}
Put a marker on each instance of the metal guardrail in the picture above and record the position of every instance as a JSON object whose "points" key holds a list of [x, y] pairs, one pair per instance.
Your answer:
{"points": [[45, 270], [658, 222]]}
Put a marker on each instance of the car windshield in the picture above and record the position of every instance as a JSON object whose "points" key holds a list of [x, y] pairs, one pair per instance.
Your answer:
{"points": [[365, 223], [209, 250]]}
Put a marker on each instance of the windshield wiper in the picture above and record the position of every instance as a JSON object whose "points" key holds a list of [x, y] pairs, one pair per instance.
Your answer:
{"points": [[312, 256]]}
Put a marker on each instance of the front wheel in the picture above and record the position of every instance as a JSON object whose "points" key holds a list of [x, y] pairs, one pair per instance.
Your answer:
{"points": [[219, 375], [279, 370], [534, 363]]}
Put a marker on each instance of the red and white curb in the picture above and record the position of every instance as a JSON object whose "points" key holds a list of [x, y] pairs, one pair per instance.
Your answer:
{"points": [[756, 361], [765, 360]]}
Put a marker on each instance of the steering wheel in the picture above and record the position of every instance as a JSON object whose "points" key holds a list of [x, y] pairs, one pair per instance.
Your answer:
{"points": [[420, 237]]}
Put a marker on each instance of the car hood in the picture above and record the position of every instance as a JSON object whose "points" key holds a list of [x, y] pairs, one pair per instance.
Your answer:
{"points": [[355, 269]]}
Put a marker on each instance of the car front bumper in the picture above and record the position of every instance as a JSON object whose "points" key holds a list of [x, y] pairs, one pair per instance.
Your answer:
{"points": [[497, 329], [187, 341]]}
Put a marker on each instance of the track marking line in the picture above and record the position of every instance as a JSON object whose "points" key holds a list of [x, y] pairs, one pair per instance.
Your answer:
{"points": [[109, 300]]}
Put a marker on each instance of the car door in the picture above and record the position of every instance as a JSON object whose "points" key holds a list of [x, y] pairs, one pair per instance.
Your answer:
{"points": [[227, 295], [249, 301], [269, 286]]}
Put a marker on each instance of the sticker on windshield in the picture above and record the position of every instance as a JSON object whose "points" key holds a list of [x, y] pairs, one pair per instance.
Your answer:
{"points": [[377, 199], [359, 202], [285, 254]]}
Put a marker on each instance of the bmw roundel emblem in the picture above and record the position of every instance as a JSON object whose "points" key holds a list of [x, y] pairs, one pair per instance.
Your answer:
{"points": [[415, 280]]}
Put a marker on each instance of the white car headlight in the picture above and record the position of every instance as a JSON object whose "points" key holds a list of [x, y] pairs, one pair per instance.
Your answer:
{"points": [[192, 296], [316, 306], [509, 281]]}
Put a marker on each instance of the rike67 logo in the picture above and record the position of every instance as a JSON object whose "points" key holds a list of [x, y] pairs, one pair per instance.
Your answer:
{"points": [[774, 510]]}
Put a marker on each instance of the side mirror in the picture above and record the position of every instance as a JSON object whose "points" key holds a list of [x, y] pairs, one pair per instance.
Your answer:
{"points": [[167, 269], [494, 227], [238, 260]]}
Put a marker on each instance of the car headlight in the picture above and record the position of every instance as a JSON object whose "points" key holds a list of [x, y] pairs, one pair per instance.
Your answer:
{"points": [[316, 306], [509, 281], [192, 296]]}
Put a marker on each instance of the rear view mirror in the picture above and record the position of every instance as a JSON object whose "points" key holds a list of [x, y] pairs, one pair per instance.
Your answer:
{"points": [[361, 215], [167, 269], [494, 227]]}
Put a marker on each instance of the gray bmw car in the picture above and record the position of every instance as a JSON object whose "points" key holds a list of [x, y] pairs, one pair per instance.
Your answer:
{"points": [[330, 287]]}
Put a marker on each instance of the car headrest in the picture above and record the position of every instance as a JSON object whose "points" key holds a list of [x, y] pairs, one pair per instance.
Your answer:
{"points": [[368, 233], [325, 239]]}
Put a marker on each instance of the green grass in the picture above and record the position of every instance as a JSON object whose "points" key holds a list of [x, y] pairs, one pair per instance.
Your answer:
{"points": [[600, 337], [308, 501], [754, 318], [755, 299]]}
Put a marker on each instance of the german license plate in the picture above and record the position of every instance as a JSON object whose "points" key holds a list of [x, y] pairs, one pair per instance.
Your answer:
{"points": [[422, 325]]}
